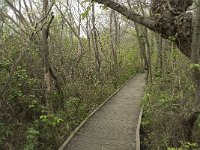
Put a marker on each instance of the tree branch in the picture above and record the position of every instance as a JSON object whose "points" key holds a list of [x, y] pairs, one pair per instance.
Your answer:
{"points": [[168, 24], [17, 13], [131, 15]]}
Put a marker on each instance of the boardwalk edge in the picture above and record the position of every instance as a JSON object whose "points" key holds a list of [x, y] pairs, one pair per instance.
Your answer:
{"points": [[91, 114], [138, 130]]}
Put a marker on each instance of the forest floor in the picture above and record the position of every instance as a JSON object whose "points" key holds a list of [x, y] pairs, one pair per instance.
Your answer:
{"points": [[113, 126]]}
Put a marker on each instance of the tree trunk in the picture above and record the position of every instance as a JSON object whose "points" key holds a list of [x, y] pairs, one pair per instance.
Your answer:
{"points": [[141, 42], [47, 79], [46, 59], [159, 41], [149, 76], [95, 42], [113, 44]]}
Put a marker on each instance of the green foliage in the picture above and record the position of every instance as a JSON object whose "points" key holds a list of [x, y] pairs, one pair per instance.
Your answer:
{"points": [[167, 101], [76, 111], [31, 137], [29, 121], [51, 120], [43, 129], [195, 67], [172, 38], [4, 132], [186, 146], [86, 13]]}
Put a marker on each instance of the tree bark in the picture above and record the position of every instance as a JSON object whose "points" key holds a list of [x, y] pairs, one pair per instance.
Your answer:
{"points": [[95, 42], [113, 44], [149, 77], [159, 43], [46, 59]]}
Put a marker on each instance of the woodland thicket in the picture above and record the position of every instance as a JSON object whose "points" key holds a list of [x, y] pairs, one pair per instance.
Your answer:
{"points": [[171, 103], [60, 59]]}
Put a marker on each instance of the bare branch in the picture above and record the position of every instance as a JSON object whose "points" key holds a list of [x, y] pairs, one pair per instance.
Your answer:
{"points": [[17, 13], [28, 13]]}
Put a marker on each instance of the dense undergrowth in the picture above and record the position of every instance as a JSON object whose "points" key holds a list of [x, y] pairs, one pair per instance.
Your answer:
{"points": [[168, 100], [25, 120], [59, 60]]}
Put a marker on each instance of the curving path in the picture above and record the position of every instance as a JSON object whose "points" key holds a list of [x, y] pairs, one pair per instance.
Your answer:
{"points": [[113, 126]]}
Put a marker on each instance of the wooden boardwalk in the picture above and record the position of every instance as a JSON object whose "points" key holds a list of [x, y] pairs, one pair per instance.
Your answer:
{"points": [[113, 126]]}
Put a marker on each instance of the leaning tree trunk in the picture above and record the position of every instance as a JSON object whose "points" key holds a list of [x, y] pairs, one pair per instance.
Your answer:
{"points": [[176, 26]]}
